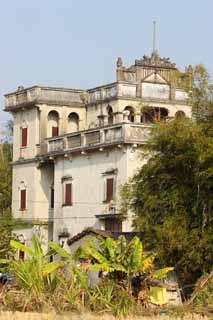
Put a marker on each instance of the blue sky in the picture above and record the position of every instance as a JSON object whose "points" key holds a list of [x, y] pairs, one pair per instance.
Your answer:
{"points": [[75, 43]]}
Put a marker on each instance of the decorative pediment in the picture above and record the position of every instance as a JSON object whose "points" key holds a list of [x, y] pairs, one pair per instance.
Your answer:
{"points": [[155, 78], [155, 61]]}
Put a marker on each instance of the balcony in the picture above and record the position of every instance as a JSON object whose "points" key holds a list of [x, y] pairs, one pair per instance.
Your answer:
{"points": [[110, 91], [38, 94], [98, 138]]}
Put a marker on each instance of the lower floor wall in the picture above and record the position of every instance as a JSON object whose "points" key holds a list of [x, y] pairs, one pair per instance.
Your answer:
{"points": [[25, 234]]}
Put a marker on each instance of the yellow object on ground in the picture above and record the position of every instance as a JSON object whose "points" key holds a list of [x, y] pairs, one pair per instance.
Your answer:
{"points": [[158, 295]]}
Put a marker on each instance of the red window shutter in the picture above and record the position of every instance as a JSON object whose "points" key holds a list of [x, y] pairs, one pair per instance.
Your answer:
{"points": [[23, 200], [109, 189], [54, 131], [24, 137], [68, 194]]}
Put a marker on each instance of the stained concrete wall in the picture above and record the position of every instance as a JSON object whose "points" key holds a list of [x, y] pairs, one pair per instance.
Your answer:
{"points": [[88, 178]]}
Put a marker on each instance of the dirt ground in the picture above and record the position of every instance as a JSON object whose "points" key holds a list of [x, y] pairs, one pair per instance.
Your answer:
{"points": [[85, 316]]}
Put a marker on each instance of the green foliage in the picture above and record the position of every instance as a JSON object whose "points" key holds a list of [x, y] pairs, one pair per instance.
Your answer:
{"points": [[203, 293], [35, 274], [171, 196], [63, 285], [5, 198], [119, 258], [112, 298], [201, 93], [124, 261]]}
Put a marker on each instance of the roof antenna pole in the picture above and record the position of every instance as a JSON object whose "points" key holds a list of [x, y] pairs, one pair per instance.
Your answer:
{"points": [[154, 37]]}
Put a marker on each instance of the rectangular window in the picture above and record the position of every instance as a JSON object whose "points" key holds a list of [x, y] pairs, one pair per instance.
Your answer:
{"points": [[23, 200], [24, 137], [109, 189], [113, 225], [54, 131], [68, 194], [51, 198]]}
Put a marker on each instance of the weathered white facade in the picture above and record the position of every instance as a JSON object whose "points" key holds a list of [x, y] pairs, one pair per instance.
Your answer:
{"points": [[74, 149]]}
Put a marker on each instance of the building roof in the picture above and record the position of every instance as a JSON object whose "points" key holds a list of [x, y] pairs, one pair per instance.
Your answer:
{"points": [[102, 233]]}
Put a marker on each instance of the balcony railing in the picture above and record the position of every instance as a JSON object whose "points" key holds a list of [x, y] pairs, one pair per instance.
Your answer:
{"points": [[38, 94], [100, 137], [112, 90]]}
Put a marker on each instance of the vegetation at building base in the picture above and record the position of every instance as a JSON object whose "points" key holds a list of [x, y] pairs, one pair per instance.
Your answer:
{"points": [[63, 285], [171, 195]]}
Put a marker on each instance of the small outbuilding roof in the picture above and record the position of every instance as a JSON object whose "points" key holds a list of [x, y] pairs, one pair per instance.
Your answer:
{"points": [[104, 234]]}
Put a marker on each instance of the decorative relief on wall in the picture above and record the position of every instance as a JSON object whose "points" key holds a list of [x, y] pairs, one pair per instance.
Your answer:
{"points": [[103, 93], [130, 76], [137, 133], [181, 95], [74, 141], [155, 60], [127, 90], [110, 92], [155, 91], [114, 134], [155, 78], [56, 145], [92, 137]]}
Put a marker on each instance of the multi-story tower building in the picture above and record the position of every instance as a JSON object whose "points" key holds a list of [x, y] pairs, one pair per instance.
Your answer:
{"points": [[74, 149]]}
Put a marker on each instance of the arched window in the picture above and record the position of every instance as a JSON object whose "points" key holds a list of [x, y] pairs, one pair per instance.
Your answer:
{"points": [[129, 111], [154, 114], [109, 115], [73, 122], [53, 124], [180, 114]]}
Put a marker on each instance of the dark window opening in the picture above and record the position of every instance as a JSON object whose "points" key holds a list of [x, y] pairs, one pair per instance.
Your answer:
{"points": [[154, 115], [23, 200], [54, 131], [109, 189], [131, 116], [52, 198], [21, 255], [68, 194], [180, 114], [113, 224], [110, 115], [24, 137]]}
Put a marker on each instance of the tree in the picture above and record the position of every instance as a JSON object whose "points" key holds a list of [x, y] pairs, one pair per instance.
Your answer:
{"points": [[201, 93], [5, 192], [171, 196]]}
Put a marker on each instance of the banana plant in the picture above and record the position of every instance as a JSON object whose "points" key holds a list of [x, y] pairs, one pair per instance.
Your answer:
{"points": [[36, 273], [122, 260]]}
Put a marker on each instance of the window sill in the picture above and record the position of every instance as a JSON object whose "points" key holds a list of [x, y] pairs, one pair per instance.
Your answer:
{"points": [[23, 147], [107, 201], [67, 205]]}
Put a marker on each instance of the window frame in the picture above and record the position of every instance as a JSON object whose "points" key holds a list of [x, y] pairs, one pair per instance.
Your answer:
{"points": [[24, 137], [56, 133], [23, 208], [65, 202]]}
